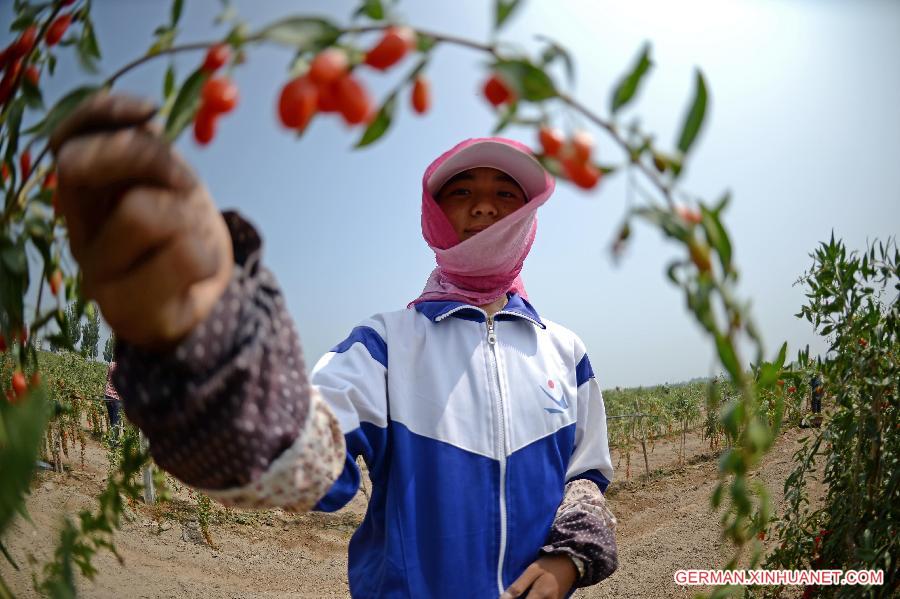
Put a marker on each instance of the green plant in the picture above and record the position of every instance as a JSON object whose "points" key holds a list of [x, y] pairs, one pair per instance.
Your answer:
{"points": [[90, 334], [852, 301], [109, 348]]}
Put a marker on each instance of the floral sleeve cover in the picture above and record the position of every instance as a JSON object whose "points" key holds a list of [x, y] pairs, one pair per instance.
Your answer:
{"points": [[585, 529], [230, 410]]}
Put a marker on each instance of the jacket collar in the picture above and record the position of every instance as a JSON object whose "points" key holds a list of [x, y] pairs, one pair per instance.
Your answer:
{"points": [[516, 307]]}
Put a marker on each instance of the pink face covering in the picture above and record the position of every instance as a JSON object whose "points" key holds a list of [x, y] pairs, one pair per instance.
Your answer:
{"points": [[485, 266]]}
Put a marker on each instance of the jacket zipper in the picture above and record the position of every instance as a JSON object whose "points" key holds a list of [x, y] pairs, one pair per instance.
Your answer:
{"points": [[501, 436], [501, 439]]}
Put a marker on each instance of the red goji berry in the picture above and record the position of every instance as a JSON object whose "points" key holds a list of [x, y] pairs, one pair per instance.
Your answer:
{"points": [[19, 385], [688, 215], [497, 91], [353, 100], [216, 57], [32, 75], [7, 84], [328, 97], [219, 95], [582, 174], [55, 281], [298, 102], [25, 163], [328, 66], [205, 125], [57, 29], [25, 43], [421, 95], [551, 140], [392, 47], [582, 145]]}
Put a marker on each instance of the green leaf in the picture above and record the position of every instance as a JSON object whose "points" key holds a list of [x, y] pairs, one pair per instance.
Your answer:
{"points": [[424, 43], [22, 427], [728, 357], [169, 81], [374, 9], [186, 104], [177, 6], [694, 119], [13, 258], [507, 117], [163, 41], [13, 121], [503, 9], [381, 123], [717, 235], [628, 86], [32, 95], [530, 82], [553, 51], [88, 50], [303, 33], [61, 110]]}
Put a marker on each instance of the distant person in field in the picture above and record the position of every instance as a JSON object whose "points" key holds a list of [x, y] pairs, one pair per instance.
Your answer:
{"points": [[816, 393], [111, 399], [480, 421]]}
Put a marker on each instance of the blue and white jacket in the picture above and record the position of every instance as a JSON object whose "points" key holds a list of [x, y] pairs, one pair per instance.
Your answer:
{"points": [[470, 427]]}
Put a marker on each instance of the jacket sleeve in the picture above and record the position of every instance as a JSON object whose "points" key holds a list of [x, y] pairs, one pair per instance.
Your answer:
{"points": [[584, 527], [352, 380], [230, 410]]}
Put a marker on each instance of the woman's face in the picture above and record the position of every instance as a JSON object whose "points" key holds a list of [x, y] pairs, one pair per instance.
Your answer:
{"points": [[475, 199]]}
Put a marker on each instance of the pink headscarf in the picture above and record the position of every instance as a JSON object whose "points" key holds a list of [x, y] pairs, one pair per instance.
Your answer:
{"points": [[485, 266]]}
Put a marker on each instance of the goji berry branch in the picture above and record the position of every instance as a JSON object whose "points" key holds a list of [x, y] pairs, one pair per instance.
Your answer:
{"points": [[614, 134], [111, 80]]}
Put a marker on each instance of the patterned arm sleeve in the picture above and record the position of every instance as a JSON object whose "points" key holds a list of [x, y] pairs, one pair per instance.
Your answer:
{"points": [[585, 530], [230, 410]]}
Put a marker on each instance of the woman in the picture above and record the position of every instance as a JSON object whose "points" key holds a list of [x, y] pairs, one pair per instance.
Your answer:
{"points": [[481, 423]]}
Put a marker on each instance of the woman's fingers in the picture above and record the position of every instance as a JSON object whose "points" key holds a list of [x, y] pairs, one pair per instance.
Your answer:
{"points": [[153, 301], [143, 220], [129, 156], [522, 583], [102, 112]]}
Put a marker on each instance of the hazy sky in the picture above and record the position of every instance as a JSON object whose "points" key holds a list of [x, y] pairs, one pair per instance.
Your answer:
{"points": [[803, 127]]}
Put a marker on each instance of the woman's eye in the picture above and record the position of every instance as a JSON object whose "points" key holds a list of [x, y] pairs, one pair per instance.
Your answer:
{"points": [[507, 195], [459, 192]]}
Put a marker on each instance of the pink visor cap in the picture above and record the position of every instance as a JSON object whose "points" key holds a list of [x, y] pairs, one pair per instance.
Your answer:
{"points": [[516, 163]]}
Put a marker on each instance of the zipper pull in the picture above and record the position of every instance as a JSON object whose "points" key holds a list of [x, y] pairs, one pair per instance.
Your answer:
{"points": [[492, 338]]}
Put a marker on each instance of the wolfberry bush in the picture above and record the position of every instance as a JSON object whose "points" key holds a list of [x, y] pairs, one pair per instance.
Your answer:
{"points": [[852, 300], [326, 78]]}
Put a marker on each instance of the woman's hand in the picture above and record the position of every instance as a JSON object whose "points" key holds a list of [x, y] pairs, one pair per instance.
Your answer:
{"points": [[550, 577], [154, 251]]}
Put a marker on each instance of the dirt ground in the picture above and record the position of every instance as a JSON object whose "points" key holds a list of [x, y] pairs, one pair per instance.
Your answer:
{"points": [[664, 525]]}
